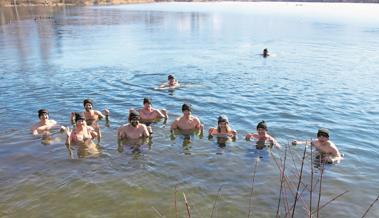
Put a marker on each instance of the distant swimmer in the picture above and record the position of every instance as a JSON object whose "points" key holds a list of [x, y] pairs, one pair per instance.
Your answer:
{"points": [[81, 136], [262, 136], [148, 114], [134, 129], [44, 126], [187, 122], [328, 150], [172, 83], [223, 129], [265, 53], [92, 116]]}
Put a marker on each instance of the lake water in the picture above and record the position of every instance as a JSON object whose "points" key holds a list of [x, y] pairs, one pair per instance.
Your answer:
{"points": [[324, 73]]}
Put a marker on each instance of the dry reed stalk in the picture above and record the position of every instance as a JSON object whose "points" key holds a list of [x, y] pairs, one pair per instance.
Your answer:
{"points": [[331, 200], [157, 211], [372, 204], [282, 180], [320, 188], [295, 166], [302, 191], [187, 206], [252, 188], [286, 205], [311, 191], [175, 200], [298, 184], [290, 187], [218, 196]]}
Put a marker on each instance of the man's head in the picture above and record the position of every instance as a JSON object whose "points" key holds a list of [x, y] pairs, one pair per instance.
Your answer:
{"points": [[88, 104], [186, 108], [323, 134], [43, 114], [147, 102], [79, 118], [262, 128], [223, 119], [171, 79], [265, 52], [134, 117]]}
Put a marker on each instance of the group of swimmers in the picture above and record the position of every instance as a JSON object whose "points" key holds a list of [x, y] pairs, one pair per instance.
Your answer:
{"points": [[86, 128]]}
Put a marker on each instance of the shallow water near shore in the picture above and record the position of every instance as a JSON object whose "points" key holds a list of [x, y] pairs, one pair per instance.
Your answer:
{"points": [[324, 74]]}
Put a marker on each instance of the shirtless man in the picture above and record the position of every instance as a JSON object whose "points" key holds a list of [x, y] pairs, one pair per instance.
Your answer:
{"points": [[223, 129], [187, 122], [262, 136], [328, 150], [134, 129], [172, 83], [45, 124], [92, 116], [148, 114]]}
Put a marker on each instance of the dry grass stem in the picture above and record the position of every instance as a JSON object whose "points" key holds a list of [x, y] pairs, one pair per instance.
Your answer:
{"points": [[218, 196], [368, 209], [252, 189], [187, 205]]}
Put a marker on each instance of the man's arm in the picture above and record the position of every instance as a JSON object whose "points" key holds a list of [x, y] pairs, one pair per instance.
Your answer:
{"points": [[145, 131]]}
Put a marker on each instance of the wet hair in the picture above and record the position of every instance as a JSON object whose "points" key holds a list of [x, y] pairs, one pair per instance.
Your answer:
{"points": [[186, 107], [133, 114], [42, 111], [79, 116], [262, 125], [87, 101], [170, 77], [323, 132], [147, 100], [222, 118]]}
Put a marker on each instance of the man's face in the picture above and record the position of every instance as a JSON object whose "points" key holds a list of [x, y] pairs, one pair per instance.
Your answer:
{"points": [[147, 106], [44, 116], [322, 138], [261, 131], [134, 121], [88, 106], [171, 81], [187, 112]]}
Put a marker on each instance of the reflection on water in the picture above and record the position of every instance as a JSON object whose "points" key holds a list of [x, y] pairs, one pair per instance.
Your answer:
{"points": [[324, 74]]}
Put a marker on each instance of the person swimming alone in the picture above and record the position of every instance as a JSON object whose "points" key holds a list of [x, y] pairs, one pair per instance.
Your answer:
{"points": [[172, 83]]}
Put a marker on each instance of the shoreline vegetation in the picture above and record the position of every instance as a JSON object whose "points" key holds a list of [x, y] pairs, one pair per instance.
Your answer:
{"points": [[12, 3]]}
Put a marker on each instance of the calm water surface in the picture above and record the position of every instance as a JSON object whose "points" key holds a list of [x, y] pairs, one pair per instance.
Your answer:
{"points": [[324, 73]]}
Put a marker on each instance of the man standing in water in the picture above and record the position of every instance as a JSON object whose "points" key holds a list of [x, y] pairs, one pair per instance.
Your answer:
{"points": [[45, 124], [134, 129], [187, 122], [148, 114], [328, 150], [92, 116]]}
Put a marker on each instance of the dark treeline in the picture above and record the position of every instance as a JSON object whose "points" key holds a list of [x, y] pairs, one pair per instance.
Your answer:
{"points": [[101, 2]]}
